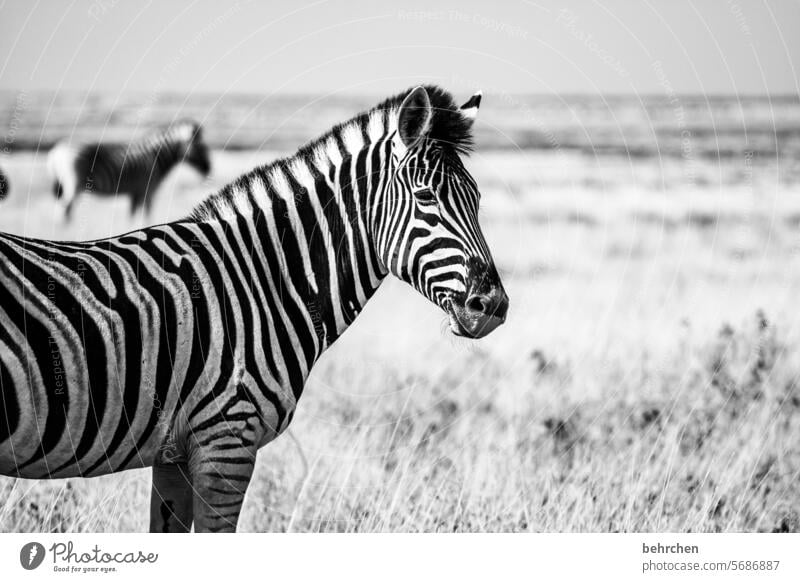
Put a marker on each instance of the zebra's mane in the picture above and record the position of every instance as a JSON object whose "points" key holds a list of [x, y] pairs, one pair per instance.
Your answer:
{"points": [[181, 129], [449, 129]]}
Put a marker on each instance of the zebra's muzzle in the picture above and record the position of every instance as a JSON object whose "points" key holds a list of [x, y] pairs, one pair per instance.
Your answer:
{"points": [[479, 315]]}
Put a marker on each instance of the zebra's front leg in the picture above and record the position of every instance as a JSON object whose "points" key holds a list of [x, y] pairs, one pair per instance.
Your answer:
{"points": [[171, 499], [137, 200], [67, 209], [220, 479]]}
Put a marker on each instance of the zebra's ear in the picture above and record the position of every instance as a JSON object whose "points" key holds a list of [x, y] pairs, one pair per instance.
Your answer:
{"points": [[414, 119], [470, 109]]}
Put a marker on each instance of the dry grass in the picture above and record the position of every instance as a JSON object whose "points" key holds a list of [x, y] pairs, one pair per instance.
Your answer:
{"points": [[648, 378]]}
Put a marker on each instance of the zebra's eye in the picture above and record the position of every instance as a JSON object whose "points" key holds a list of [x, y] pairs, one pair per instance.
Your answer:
{"points": [[425, 196]]}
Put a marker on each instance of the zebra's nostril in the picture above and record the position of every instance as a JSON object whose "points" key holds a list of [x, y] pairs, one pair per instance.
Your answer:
{"points": [[477, 303]]}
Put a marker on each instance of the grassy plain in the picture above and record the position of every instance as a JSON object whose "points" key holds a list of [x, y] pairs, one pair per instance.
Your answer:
{"points": [[648, 378]]}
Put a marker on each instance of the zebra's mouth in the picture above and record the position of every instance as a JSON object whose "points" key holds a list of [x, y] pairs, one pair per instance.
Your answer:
{"points": [[455, 324], [466, 322]]}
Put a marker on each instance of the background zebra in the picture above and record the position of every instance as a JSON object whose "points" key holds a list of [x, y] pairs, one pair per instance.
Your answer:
{"points": [[186, 346], [3, 185], [135, 169]]}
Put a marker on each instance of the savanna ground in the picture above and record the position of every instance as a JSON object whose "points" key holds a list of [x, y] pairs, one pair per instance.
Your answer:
{"points": [[648, 377]]}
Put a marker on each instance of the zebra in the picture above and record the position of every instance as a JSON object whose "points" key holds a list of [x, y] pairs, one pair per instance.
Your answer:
{"points": [[3, 185], [136, 169], [185, 346]]}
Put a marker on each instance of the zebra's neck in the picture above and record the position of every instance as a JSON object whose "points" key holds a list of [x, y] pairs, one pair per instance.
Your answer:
{"points": [[314, 214]]}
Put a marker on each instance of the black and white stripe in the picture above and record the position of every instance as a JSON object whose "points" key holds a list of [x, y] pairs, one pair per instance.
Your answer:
{"points": [[135, 169], [186, 346]]}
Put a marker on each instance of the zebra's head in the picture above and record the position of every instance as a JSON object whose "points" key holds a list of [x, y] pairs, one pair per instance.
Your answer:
{"points": [[429, 234], [195, 151]]}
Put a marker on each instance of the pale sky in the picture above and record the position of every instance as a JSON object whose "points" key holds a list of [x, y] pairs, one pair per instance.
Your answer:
{"points": [[608, 46]]}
